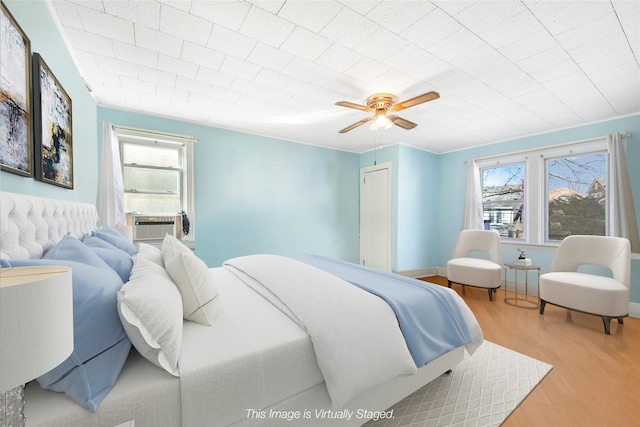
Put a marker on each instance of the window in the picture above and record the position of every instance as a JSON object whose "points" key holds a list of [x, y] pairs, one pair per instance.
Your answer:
{"points": [[152, 175], [157, 172], [503, 199], [577, 195], [542, 196]]}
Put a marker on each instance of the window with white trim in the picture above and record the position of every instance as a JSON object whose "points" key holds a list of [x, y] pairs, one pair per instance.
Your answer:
{"points": [[576, 186], [157, 172], [541, 196], [503, 199]]}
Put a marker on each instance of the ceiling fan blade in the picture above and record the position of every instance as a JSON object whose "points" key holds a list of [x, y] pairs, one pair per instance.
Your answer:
{"points": [[355, 125], [352, 105], [403, 123], [429, 96]]}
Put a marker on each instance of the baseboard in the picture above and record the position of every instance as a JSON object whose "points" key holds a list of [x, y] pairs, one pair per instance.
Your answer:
{"points": [[532, 288], [634, 309]]}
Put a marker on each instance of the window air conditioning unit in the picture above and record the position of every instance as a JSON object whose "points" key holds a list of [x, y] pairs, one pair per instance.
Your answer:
{"points": [[154, 227]]}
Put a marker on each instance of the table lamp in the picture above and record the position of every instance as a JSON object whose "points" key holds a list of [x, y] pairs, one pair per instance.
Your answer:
{"points": [[36, 331]]}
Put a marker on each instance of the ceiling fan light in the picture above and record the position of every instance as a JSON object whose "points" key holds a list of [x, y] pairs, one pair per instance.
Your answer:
{"points": [[382, 121], [389, 123]]}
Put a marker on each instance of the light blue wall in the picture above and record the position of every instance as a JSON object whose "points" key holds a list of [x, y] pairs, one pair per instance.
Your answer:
{"points": [[36, 21], [418, 189], [262, 195], [453, 174]]}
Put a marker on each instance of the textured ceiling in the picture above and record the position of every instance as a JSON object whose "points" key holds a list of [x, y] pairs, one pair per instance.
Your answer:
{"points": [[503, 69]]}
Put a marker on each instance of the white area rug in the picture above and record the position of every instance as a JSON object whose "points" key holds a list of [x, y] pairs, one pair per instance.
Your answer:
{"points": [[482, 391]]}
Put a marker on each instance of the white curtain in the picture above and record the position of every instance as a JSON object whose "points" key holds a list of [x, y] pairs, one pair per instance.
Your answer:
{"points": [[473, 215], [110, 187], [622, 207]]}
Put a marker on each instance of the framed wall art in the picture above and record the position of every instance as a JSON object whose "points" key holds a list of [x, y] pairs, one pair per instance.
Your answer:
{"points": [[16, 143], [53, 127]]}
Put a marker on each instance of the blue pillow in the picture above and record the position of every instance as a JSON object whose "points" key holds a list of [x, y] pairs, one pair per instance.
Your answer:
{"points": [[115, 258], [72, 249], [100, 342], [113, 236]]}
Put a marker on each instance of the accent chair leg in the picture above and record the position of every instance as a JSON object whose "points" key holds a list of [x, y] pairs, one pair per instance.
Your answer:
{"points": [[607, 324], [490, 294], [449, 282], [620, 320], [542, 304]]}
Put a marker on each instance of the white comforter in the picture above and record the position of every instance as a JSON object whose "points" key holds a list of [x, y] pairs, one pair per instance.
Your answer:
{"points": [[356, 338]]}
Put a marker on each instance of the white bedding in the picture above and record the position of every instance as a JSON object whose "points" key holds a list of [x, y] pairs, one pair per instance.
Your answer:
{"points": [[356, 337], [143, 392], [253, 357], [250, 358]]}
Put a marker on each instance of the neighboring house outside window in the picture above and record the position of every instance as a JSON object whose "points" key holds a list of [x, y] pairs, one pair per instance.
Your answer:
{"points": [[544, 195], [598, 190], [503, 199]]}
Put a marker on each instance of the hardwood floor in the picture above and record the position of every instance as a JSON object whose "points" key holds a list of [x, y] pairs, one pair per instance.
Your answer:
{"points": [[595, 380]]}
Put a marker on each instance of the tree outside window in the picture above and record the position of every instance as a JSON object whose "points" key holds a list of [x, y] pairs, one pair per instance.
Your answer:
{"points": [[577, 195]]}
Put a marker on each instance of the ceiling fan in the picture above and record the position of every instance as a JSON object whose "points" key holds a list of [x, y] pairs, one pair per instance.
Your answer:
{"points": [[380, 104]]}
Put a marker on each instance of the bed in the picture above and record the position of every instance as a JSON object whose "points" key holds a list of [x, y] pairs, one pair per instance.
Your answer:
{"points": [[258, 363]]}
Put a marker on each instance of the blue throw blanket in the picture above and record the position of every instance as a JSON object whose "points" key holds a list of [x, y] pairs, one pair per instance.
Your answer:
{"points": [[429, 317]]}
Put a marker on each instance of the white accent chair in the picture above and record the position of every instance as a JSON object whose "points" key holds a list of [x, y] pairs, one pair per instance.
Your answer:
{"points": [[590, 293], [468, 270]]}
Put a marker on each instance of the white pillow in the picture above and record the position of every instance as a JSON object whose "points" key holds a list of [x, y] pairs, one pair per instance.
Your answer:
{"points": [[198, 290], [150, 309], [151, 253], [172, 246]]}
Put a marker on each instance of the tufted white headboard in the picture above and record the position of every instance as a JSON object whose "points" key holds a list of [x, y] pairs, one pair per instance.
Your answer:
{"points": [[30, 225]]}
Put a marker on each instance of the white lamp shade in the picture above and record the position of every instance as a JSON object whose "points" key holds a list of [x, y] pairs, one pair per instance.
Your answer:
{"points": [[36, 322]]}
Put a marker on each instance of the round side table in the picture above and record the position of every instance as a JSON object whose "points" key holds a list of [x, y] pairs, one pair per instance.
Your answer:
{"points": [[525, 302]]}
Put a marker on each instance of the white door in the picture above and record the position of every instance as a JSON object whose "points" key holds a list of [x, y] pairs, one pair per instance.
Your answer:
{"points": [[375, 216]]}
